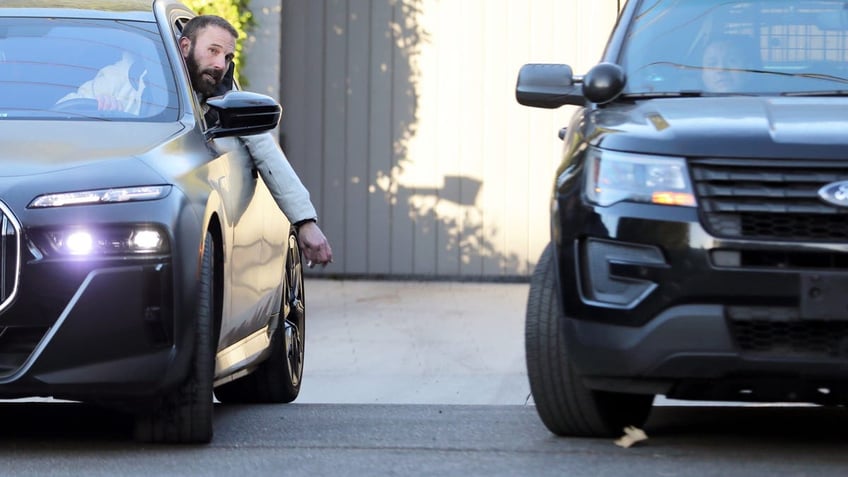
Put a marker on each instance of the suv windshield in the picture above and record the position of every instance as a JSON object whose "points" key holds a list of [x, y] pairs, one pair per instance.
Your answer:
{"points": [[735, 47], [61, 68]]}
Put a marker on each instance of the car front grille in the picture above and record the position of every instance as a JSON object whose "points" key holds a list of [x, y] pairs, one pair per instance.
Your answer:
{"points": [[769, 200], [16, 343], [813, 338], [10, 254], [779, 330]]}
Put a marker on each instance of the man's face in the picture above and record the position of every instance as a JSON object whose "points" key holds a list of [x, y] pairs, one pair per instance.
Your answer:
{"points": [[208, 58]]}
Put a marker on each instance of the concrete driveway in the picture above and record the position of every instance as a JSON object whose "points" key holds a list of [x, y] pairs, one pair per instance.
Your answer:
{"points": [[404, 342]]}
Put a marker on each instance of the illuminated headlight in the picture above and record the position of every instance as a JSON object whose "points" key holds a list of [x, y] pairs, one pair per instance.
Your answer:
{"points": [[123, 240], [77, 243], [146, 240], [616, 176], [101, 196]]}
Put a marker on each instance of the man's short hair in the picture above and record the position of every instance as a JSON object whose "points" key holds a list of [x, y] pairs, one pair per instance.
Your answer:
{"points": [[198, 23]]}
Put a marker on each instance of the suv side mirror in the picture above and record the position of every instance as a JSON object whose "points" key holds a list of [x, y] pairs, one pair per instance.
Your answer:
{"points": [[242, 113], [548, 86]]}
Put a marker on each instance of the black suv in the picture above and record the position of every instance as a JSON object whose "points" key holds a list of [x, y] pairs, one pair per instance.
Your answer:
{"points": [[699, 217]]}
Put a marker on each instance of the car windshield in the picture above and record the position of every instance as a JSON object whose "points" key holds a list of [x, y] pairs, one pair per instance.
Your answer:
{"points": [[791, 47], [84, 70]]}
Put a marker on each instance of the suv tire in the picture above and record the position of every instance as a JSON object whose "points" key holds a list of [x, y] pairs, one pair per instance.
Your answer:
{"points": [[185, 416], [564, 404]]}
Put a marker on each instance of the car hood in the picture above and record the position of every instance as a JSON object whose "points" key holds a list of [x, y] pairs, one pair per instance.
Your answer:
{"points": [[40, 147], [47, 156], [744, 127]]}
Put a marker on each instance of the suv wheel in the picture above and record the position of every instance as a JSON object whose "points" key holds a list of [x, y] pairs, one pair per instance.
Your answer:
{"points": [[565, 405], [185, 415], [277, 379]]}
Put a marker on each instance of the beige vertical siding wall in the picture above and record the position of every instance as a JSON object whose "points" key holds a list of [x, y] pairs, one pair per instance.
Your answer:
{"points": [[400, 116]]}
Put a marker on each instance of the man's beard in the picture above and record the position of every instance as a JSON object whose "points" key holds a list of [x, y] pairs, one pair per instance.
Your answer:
{"points": [[205, 85]]}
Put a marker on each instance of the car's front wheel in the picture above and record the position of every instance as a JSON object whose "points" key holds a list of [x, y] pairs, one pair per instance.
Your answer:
{"points": [[278, 378], [185, 415], [564, 404]]}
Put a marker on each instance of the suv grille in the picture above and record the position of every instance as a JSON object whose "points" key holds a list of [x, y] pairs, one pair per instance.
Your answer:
{"points": [[10, 255], [780, 330], [743, 198], [817, 338]]}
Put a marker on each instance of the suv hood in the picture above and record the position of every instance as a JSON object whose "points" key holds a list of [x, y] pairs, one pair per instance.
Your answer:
{"points": [[40, 147], [738, 126], [48, 156]]}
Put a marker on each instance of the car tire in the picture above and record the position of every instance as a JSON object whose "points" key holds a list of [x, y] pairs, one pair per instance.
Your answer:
{"points": [[278, 378], [185, 416], [564, 404]]}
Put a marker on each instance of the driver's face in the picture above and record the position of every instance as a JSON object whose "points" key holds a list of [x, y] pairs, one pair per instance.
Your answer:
{"points": [[209, 57], [721, 60]]}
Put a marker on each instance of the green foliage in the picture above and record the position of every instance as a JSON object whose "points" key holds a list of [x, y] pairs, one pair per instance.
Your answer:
{"points": [[238, 14]]}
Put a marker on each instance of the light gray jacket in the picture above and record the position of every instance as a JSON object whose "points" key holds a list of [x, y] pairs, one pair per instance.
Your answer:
{"points": [[282, 181]]}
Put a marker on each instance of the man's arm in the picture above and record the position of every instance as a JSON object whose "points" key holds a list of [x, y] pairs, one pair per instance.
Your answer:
{"points": [[277, 173], [291, 195]]}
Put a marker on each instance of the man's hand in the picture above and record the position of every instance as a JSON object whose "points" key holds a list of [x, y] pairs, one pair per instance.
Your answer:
{"points": [[316, 249]]}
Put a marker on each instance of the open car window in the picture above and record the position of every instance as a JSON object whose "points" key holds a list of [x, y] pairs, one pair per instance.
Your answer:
{"points": [[227, 84]]}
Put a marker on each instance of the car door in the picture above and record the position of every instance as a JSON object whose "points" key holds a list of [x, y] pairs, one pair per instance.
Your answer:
{"points": [[232, 176]]}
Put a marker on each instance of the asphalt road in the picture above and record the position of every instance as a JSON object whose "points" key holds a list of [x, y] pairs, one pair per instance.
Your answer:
{"points": [[57, 439], [422, 379]]}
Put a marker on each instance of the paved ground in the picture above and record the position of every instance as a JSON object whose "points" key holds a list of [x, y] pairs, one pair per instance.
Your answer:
{"points": [[405, 342], [402, 342]]}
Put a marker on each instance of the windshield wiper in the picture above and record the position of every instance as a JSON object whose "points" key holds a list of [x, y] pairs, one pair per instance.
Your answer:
{"points": [[835, 92], [689, 93], [665, 94]]}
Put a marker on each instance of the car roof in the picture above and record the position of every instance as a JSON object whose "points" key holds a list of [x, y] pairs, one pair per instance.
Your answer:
{"points": [[113, 9]]}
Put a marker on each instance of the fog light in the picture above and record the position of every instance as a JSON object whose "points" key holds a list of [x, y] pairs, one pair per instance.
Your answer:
{"points": [[79, 243], [602, 286], [146, 240]]}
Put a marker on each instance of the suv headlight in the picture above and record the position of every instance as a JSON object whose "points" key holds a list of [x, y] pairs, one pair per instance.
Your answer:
{"points": [[613, 176], [103, 240], [101, 196]]}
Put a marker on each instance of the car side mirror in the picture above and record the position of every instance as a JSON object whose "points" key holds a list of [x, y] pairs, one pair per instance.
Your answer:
{"points": [[548, 86], [242, 113]]}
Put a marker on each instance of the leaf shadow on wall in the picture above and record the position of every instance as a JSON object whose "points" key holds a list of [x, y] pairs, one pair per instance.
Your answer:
{"points": [[449, 218]]}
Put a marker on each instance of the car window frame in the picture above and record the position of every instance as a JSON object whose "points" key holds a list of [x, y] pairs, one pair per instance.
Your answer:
{"points": [[176, 22]]}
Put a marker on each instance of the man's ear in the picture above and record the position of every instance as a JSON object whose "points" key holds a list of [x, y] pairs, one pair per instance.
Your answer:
{"points": [[185, 45]]}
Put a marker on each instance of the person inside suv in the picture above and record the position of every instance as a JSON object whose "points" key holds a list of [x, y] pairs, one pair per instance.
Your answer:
{"points": [[724, 64]]}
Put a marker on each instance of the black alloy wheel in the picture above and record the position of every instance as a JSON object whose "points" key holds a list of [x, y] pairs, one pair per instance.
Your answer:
{"points": [[294, 311], [278, 378]]}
